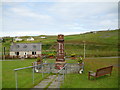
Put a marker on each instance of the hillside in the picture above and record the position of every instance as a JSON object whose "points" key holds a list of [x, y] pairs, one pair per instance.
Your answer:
{"points": [[101, 43], [100, 38]]}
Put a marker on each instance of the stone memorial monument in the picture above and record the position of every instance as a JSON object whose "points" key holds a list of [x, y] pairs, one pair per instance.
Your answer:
{"points": [[60, 57]]}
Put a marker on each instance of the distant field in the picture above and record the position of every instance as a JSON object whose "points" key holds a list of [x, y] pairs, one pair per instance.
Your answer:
{"points": [[102, 43], [101, 38]]}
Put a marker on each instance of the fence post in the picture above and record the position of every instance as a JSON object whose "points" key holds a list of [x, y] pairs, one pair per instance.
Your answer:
{"points": [[16, 81], [33, 75], [42, 71], [50, 67], [58, 80], [64, 75], [66, 69]]}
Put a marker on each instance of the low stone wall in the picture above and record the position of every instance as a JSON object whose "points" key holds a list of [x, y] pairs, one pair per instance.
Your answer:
{"points": [[50, 67]]}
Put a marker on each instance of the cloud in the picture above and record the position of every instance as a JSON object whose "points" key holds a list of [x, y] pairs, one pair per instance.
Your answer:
{"points": [[28, 13], [18, 33], [109, 24], [75, 26], [59, 17], [14, 0], [81, 10], [32, 33], [60, 0]]}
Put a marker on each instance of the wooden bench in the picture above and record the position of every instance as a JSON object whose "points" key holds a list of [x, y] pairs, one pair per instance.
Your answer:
{"points": [[100, 72]]}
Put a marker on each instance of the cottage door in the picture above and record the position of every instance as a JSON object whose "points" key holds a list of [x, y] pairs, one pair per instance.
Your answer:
{"points": [[25, 54]]}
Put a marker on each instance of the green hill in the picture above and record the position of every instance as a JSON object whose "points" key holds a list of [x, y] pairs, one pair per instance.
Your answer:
{"points": [[101, 37], [100, 43]]}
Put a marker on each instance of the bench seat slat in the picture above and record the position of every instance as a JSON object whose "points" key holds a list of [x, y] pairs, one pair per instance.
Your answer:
{"points": [[93, 74]]}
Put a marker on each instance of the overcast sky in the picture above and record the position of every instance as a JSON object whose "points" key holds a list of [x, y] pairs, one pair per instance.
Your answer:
{"points": [[52, 18]]}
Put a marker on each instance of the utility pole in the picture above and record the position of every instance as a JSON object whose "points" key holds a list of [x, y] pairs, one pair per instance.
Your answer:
{"points": [[4, 52], [12, 39], [84, 48]]}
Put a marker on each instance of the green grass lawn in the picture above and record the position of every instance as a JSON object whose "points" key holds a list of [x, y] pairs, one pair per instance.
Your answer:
{"points": [[81, 80], [71, 80], [0, 74], [24, 76]]}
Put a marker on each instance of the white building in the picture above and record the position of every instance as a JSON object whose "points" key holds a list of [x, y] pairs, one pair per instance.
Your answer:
{"points": [[30, 39], [43, 37], [25, 49], [18, 39]]}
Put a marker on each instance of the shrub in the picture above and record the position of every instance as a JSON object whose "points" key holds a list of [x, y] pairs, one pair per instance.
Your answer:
{"points": [[73, 55], [51, 54], [38, 59], [80, 60]]}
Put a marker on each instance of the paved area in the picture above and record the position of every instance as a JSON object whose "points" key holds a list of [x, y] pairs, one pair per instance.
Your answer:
{"points": [[55, 83], [45, 82], [51, 81]]}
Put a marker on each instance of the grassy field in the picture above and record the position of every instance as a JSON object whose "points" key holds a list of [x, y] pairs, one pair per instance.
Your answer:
{"points": [[71, 80], [24, 76], [102, 43], [81, 80], [0, 75]]}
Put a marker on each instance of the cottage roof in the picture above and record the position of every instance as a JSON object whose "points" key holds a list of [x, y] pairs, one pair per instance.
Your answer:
{"points": [[16, 47]]}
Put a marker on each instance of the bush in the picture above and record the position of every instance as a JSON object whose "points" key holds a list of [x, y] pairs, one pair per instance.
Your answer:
{"points": [[73, 55], [38, 59], [80, 60], [51, 54]]}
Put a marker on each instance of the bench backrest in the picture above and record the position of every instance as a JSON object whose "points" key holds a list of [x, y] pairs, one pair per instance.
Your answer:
{"points": [[103, 71]]}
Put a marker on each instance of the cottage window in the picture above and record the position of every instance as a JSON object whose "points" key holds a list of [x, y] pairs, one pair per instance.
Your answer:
{"points": [[33, 53], [17, 53]]}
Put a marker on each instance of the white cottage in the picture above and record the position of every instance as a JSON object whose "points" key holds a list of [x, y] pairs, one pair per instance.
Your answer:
{"points": [[25, 49], [43, 37], [18, 39], [30, 39]]}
